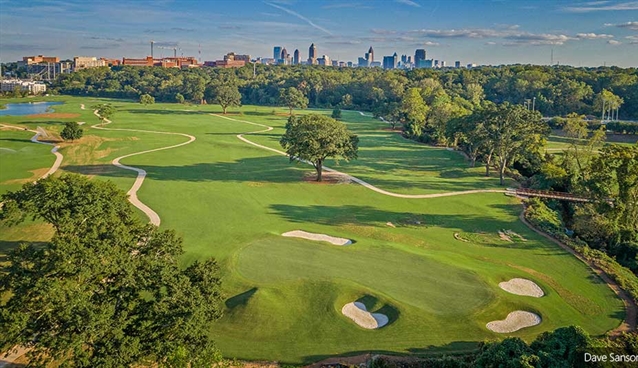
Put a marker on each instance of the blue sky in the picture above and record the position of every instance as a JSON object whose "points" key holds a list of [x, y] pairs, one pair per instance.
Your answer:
{"points": [[581, 33]]}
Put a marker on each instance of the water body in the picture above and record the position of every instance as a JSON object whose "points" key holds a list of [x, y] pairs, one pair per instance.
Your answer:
{"points": [[28, 108]]}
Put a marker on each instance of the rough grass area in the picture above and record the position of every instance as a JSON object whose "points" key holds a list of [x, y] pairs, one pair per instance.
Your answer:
{"points": [[232, 201]]}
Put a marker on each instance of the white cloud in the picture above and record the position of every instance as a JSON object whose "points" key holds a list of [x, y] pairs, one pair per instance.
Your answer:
{"points": [[293, 13], [601, 6], [408, 2], [614, 42], [593, 36], [628, 25]]}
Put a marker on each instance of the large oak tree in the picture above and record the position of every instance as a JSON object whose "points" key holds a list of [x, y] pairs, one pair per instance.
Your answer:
{"points": [[314, 137], [107, 290]]}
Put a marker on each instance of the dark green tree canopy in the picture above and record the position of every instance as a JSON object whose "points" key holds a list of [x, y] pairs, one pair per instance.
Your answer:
{"points": [[104, 111], [293, 98], [227, 96], [107, 290], [71, 131], [314, 137]]}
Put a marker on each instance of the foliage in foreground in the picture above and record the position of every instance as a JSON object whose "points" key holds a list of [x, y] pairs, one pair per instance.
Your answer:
{"points": [[561, 348], [549, 221], [107, 290]]}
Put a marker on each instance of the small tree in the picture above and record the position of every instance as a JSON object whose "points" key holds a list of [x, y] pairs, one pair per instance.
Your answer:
{"points": [[147, 99], [71, 131], [104, 111], [336, 113], [226, 96], [179, 98], [293, 98], [315, 137]]}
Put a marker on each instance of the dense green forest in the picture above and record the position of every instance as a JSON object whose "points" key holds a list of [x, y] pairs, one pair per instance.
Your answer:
{"points": [[551, 90]]}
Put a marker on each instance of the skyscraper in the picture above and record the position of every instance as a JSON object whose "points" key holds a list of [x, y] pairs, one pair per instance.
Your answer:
{"points": [[390, 62], [276, 53], [457, 64], [312, 54], [296, 58], [419, 58], [370, 55]]}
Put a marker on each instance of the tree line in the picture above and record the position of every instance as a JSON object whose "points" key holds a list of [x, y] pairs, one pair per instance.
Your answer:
{"points": [[554, 91]]}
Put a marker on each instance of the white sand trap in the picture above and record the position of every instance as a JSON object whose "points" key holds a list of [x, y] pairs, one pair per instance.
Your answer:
{"points": [[504, 236], [390, 224], [357, 312], [520, 286], [514, 322], [458, 237], [317, 237], [510, 233]]}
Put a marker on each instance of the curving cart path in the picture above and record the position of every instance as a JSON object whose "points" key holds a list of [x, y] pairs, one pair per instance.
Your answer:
{"points": [[350, 177], [141, 173], [54, 150]]}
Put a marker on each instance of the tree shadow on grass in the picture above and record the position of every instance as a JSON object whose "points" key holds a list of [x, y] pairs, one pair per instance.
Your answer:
{"points": [[273, 169], [453, 348], [240, 299], [166, 112]]}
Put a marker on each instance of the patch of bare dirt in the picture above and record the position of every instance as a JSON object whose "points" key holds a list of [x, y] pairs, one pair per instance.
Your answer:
{"points": [[327, 178], [54, 115]]}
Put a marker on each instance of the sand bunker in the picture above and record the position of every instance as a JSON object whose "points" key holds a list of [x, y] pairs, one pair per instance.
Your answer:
{"points": [[522, 287], [514, 322], [510, 233], [504, 236], [390, 224], [317, 237], [458, 237], [357, 312]]}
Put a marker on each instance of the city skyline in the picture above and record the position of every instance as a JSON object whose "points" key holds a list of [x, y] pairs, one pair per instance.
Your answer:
{"points": [[504, 33]]}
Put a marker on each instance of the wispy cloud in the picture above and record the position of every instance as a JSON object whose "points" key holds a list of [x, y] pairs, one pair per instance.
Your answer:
{"points": [[593, 36], [614, 42], [628, 25], [633, 40], [346, 5], [408, 2], [293, 13], [601, 6], [537, 39]]}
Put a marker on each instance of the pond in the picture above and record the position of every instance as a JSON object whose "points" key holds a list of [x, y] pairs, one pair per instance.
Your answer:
{"points": [[28, 108]]}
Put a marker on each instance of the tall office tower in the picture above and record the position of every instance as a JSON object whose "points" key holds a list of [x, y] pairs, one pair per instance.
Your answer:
{"points": [[296, 57], [457, 64], [276, 53], [419, 58], [312, 54], [404, 59], [390, 62], [436, 63], [370, 55], [284, 54]]}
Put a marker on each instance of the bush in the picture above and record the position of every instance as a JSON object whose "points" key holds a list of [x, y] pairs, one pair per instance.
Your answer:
{"points": [[336, 113]]}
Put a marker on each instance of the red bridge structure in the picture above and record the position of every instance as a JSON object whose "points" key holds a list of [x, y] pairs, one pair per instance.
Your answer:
{"points": [[523, 192]]}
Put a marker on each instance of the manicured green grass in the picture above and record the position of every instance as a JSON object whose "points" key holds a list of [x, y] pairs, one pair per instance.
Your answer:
{"points": [[21, 160], [232, 201]]}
